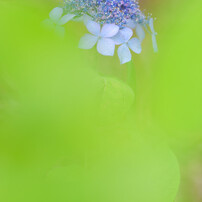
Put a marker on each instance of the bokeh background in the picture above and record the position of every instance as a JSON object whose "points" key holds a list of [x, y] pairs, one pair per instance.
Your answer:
{"points": [[73, 129]]}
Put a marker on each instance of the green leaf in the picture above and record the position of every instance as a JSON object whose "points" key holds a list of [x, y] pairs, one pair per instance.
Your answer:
{"points": [[115, 99]]}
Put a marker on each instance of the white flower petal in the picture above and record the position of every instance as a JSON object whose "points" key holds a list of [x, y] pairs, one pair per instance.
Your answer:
{"points": [[140, 32], [93, 27], [86, 18], [65, 19], [56, 14], [124, 54], [135, 45], [151, 25], [106, 46], [48, 24], [127, 33], [109, 30], [60, 31], [118, 38], [88, 41], [123, 36], [131, 24], [154, 43]]}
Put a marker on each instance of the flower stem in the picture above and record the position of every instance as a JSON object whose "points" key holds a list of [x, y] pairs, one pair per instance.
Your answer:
{"points": [[130, 73]]}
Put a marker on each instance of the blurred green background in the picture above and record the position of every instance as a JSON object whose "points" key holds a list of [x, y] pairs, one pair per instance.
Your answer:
{"points": [[73, 130]]}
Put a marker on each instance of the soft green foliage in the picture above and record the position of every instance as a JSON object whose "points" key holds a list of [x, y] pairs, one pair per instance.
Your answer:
{"points": [[68, 133]]}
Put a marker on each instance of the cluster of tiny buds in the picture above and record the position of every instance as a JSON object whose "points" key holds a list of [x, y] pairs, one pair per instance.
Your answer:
{"points": [[107, 11]]}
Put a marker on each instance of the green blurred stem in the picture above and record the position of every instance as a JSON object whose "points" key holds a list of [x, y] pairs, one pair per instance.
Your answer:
{"points": [[130, 73]]}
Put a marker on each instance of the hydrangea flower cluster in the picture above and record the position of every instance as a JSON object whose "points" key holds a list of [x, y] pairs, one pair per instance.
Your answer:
{"points": [[110, 23], [107, 11]]}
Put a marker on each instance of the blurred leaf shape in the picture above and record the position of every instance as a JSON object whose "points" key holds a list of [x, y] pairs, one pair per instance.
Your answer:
{"points": [[116, 98]]}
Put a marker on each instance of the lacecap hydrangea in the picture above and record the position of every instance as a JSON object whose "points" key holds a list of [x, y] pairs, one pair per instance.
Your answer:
{"points": [[109, 22]]}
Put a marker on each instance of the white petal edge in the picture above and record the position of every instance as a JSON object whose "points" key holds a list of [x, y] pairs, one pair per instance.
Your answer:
{"points": [[106, 46], [93, 27], [109, 30], [135, 45], [140, 32], [56, 14], [86, 18], [65, 19], [48, 24], [87, 41], [118, 38], [60, 31], [127, 33], [155, 47], [123, 36], [124, 54]]}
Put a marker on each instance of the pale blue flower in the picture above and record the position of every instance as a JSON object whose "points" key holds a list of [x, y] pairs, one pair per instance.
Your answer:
{"points": [[56, 21], [124, 38], [101, 36]]}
